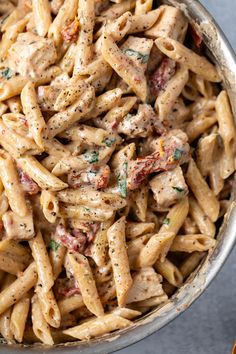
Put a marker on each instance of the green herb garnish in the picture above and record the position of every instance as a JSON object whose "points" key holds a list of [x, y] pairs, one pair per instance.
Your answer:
{"points": [[177, 154], [109, 141], [6, 73], [122, 181], [92, 156], [53, 245], [179, 189], [133, 53], [166, 221]]}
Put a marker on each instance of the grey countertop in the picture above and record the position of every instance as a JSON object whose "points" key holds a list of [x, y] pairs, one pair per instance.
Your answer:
{"points": [[209, 326]]}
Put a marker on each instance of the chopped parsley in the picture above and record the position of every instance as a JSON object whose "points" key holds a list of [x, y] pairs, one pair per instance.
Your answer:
{"points": [[109, 141], [53, 245], [6, 73], [178, 189], [122, 181], [166, 221], [139, 56], [92, 156], [177, 154]]}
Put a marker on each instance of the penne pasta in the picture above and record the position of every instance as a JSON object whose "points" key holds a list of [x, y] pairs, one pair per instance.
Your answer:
{"points": [[49, 307], [40, 327], [42, 16], [81, 270], [227, 133], [44, 268], [170, 272], [19, 316], [40, 174], [159, 244], [192, 243], [10, 181], [202, 192], [66, 13], [18, 288], [119, 260], [124, 67], [35, 120], [98, 326], [194, 62], [86, 17]]}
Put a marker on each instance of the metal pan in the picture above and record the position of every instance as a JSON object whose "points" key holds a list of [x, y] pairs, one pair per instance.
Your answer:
{"points": [[223, 55]]}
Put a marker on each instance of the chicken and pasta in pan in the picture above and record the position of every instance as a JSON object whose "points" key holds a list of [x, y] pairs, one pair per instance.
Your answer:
{"points": [[116, 163]]}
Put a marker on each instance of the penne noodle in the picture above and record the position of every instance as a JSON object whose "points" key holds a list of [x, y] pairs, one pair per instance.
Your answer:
{"points": [[143, 6], [100, 243], [35, 120], [202, 221], [158, 245], [107, 201], [67, 13], [18, 288], [171, 23], [50, 205], [190, 263], [166, 99], [44, 268], [5, 328], [119, 260], [170, 272], [81, 270], [10, 181], [192, 243], [40, 174], [70, 304], [40, 327], [19, 316], [194, 62], [49, 307], [42, 16], [202, 192], [227, 133], [72, 114], [86, 17], [124, 67], [98, 326]]}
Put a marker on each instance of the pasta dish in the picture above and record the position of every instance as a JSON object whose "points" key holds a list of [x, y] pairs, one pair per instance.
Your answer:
{"points": [[116, 163]]}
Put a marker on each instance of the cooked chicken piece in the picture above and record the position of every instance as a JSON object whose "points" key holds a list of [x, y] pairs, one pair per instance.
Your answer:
{"points": [[170, 150], [30, 55], [144, 123], [146, 284], [168, 187]]}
